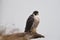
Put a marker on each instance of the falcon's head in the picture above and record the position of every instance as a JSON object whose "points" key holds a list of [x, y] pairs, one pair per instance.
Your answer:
{"points": [[35, 12]]}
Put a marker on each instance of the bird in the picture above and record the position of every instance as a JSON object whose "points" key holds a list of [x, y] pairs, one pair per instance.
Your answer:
{"points": [[32, 22]]}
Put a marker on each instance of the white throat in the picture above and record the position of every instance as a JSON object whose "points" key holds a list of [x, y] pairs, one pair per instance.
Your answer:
{"points": [[36, 17]]}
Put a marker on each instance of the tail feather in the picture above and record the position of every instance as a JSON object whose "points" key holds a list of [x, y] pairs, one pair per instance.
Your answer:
{"points": [[37, 36]]}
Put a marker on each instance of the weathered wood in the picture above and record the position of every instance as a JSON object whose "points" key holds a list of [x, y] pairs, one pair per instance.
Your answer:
{"points": [[17, 36]]}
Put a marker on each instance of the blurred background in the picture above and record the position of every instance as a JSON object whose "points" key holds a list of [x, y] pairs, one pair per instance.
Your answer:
{"points": [[14, 13]]}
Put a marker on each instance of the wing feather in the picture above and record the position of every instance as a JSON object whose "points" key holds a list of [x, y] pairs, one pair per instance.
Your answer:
{"points": [[29, 23]]}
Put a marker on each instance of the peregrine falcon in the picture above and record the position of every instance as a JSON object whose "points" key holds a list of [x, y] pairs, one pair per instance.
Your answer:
{"points": [[32, 22]]}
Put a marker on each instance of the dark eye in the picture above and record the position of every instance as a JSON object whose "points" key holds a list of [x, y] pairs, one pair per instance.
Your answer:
{"points": [[35, 13]]}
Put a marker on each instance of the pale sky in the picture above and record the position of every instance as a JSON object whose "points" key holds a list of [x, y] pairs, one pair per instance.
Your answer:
{"points": [[17, 11]]}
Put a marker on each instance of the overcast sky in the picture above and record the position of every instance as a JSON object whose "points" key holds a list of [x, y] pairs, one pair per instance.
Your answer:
{"points": [[14, 13]]}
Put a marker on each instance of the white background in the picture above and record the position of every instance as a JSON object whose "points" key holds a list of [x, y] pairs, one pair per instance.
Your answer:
{"points": [[16, 12]]}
